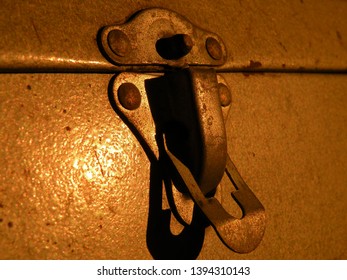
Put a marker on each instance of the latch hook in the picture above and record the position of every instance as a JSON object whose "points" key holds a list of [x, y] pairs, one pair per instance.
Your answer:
{"points": [[188, 105], [162, 100], [240, 235]]}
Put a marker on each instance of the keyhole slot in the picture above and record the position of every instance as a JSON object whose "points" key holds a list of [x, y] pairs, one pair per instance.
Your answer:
{"points": [[174, 47]]}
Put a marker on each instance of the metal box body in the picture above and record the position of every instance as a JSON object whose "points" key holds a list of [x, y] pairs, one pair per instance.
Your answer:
{"points": [[74, 181]]}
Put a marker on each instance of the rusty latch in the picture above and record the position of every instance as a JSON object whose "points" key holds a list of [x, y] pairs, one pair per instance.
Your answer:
{"points": [[179, 115]]}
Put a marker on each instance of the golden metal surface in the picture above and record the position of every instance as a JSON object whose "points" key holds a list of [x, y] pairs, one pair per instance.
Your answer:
{"points": [[74, 181], [304, 35], [73, 178]]}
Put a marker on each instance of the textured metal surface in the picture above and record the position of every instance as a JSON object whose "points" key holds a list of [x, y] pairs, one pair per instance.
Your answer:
{"points": [[304, 35], [74, 181], [143, 32], [287, 137], [73, 177]]}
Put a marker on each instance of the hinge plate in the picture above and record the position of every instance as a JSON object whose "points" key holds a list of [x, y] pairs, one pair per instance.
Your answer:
{"points": [[137, 42]]}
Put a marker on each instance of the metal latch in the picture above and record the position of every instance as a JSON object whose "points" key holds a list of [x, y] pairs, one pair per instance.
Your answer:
{"points": [[176, 104]]}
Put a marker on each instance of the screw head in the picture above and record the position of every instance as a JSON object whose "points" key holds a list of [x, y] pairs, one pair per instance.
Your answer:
{"points": [[224, 95], [129, 96], [118, 42], [214, 49]]}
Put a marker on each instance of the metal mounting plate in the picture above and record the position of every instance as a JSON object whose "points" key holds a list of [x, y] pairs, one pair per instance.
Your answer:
{"points": [[137, 40]]}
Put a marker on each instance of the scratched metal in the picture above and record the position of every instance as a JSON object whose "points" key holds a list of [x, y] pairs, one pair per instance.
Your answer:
{"points": [[74, 181], [287, 136], [301, 35], [73, 178]]}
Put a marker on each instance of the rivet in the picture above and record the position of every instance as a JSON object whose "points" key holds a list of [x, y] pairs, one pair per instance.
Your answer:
{"points": [[129, 96], [118, 42], [214, 49], [224, 95]]}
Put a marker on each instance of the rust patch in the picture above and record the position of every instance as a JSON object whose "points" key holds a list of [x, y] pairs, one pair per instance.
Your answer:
{"points": [[283, 65], [254, 64], [64, 111], [1, 220], [247, 74], [1, 205], [68, 128], [10, 224], [29, 87], [129, 96]]}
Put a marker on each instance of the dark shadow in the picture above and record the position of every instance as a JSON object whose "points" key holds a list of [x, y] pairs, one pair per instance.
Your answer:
{"points": [[161, 243], [173, 109]]}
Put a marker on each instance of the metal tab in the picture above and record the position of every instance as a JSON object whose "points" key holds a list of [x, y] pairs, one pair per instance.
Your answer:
{"points": [[240, 235]]}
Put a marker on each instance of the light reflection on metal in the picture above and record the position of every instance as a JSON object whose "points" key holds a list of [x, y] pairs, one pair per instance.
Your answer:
{"points": [[99, 164], [49, 133], [41, 63]]}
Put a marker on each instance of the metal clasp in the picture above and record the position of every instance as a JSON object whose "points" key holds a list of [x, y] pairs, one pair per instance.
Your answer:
{"points": [[181, 112]]}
